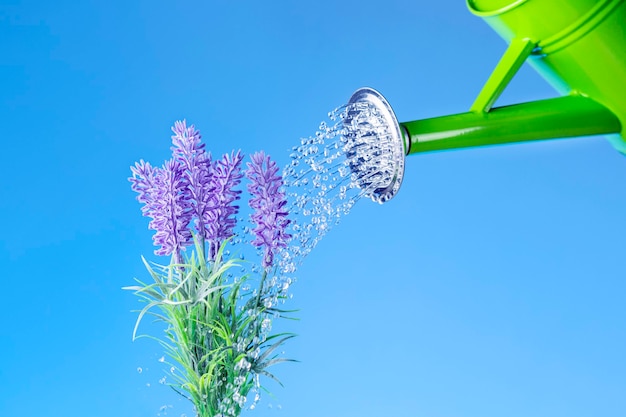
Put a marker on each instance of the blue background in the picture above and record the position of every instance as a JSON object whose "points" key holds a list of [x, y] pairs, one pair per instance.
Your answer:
{"points": [[492, 285]]}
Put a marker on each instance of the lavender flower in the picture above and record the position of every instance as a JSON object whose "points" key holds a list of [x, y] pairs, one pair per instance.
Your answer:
{"points": [[220, 220], [189, 151], [268, 202], [188, 186], [144, 182], [164, 192]]}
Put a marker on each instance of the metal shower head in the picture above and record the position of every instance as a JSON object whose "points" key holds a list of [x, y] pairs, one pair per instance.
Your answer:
{"points": [[375, 145]]}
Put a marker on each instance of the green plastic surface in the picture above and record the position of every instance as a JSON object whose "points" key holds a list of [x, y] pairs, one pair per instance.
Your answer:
{"points": [[555, 118], [513, 58], [579, 48]]}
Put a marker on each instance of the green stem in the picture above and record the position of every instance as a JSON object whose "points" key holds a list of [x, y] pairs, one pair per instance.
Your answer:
{"points": [[258, 296]]}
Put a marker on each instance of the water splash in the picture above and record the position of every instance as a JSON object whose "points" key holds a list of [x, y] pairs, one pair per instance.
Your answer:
{"points": [[163, 409], [352, 156]]}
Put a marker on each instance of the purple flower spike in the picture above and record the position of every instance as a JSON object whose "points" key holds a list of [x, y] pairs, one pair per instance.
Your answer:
{"points": [[173, 212], [268, 202], [164, 192], [144, 182], [196, 163], [186, 141], [220, 221]]}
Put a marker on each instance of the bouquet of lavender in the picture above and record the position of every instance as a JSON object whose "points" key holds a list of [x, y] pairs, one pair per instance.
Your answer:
{"points": [[218, 321]]}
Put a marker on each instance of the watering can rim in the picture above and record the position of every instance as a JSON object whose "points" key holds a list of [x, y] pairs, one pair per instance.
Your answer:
{"points": [[494, 12]]}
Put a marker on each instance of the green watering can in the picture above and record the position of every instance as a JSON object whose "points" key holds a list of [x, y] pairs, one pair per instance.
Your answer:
{"points": [[578, 46]]}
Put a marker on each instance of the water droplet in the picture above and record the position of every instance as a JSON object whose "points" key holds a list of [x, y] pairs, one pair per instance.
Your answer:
{"points": [[349, 157], [139, 370]]}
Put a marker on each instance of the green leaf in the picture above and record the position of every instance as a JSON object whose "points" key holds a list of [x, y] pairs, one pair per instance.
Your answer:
{"points": [[273, 347], [264, 372]]}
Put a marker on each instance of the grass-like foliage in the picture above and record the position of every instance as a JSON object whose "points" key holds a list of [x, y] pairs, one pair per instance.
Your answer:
{"points": [[217, 330]]}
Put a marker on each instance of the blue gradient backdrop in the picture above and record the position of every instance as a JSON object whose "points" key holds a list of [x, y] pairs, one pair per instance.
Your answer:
{"points": [[492, 285]]}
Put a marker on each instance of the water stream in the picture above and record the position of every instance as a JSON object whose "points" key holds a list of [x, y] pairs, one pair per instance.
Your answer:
{"points": [[351, 157]]}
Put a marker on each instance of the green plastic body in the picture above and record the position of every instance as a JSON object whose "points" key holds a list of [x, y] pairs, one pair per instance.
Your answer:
{"points": [[578, 46]]}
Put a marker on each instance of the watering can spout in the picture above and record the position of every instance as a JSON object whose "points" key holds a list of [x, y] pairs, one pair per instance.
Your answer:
{"points": [[576, 45], [557, 118], [562, 117]]}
